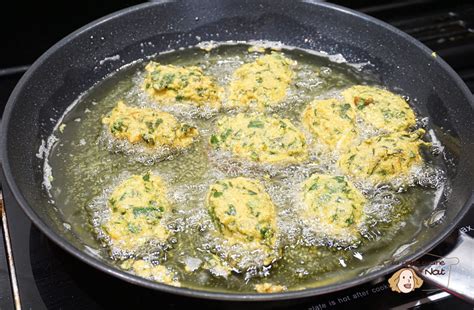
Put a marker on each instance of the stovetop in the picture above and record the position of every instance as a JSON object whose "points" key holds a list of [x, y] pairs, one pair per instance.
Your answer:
{"points": [[37, 274]]}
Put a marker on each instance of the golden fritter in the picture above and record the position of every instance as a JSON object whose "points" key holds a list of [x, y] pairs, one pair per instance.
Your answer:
{"points": [[149, 127], [262, 83], [244, 214], [169, 84], [333, 206], [382, 159], [261, 139], [332, 122], [380, 108]]}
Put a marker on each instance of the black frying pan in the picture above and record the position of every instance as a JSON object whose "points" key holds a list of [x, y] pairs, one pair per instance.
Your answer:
{"points": [[72, 66]]}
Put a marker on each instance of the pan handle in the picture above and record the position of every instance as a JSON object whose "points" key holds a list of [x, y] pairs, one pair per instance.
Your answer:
{"points": [[453, 272]]}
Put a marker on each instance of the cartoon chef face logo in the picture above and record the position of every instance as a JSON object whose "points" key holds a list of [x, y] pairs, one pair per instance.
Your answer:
{"points": [[404, 281]]}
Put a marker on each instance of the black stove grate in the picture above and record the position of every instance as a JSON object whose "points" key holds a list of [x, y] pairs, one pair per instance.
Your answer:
{"points": [[446, 27]]}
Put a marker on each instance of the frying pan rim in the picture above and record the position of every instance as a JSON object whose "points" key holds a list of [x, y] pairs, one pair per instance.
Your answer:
{"points": [[194, 292]]}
